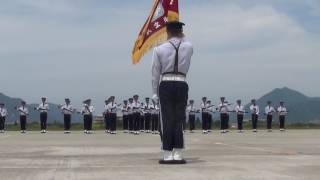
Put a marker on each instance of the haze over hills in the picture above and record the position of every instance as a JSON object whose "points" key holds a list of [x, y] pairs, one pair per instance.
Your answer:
{"points": [[302, 108], [53, 115]]}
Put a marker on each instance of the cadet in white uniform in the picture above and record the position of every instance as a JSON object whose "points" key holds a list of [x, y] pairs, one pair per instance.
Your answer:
{"points": [[131, 116], [87, 111], [155, 118], [67, 111], [125, 116], [106, 116], [210, 110], [136, 108], [112, 108], [147, 115], [171, 61], [204, 115], [269, 110], [43, 108], [23, 112], [240, 114], [254, 108], [223, 109], [3, 114], [191, 110], [282, 110]]}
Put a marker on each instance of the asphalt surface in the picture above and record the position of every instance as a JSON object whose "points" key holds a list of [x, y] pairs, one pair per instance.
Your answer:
{"points": [[294, 154]]}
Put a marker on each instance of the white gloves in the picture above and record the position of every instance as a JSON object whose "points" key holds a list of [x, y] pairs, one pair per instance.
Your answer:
{"points": [[155, 98]]}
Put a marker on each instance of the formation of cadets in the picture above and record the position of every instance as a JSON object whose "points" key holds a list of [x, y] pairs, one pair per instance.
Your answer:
{"points": [[141, 117], [224, 108], [137, 116]]}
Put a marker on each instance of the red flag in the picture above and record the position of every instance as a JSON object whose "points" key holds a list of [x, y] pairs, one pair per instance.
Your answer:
{"points": [[154, 31]]}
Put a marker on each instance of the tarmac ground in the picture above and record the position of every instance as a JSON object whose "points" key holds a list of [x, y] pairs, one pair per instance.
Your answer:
{"points": [[294, 154]]}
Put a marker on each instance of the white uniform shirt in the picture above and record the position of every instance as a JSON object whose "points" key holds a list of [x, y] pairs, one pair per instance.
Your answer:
{"points": [[164, 57], [3, 112], [282, 110], [223, 108], [147, 108], [203, 107], [254, 109], [87, 110], [43, 107], [239, 109], [191, 109], [125, 109], [210, 108], [136, 106], [67, 109], [269, 110], [155, 109], [112, 107], [23, 111]]}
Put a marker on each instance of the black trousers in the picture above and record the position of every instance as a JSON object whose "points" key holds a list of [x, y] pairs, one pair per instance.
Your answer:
{"points": [[141, 122], [87, 122], [282, 121], [67, 122], [147, 120], [240, 121], [125, 123], [113, 121], [254, 119], [136, 121], [209, 121], [223, 119], [23, 123], [227, 121], [173, 102], [269, 121], [192, 122], [131, 122], [205, 120], [43, 120], [155, 122], [107, 121], [2, 122]]}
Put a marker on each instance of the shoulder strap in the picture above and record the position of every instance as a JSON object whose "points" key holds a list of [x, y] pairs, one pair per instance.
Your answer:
{"points": [[176, 59]]}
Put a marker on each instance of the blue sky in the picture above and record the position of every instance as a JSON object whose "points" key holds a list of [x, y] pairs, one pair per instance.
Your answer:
{"points": [[82, 48]]}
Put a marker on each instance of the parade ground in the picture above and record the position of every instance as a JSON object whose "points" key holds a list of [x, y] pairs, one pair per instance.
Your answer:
{"points": [[294, 154]]}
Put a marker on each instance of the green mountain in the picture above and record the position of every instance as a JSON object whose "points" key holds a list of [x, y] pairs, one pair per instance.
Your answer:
{"points": [[302, 108], [54, 114]]}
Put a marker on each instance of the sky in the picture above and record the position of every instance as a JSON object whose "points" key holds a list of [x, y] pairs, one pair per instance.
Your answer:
{"points": [[82, 48]]}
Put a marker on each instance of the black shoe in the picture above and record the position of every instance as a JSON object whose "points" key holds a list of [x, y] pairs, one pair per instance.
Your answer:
{"points": [[173, 162]]}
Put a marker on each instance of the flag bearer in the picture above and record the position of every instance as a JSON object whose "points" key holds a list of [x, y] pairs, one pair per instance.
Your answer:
{"points": [[112, 108], [269, 110], [43, 108], [125, 111], [254, 108], [3, 115], [147, 115], [155, 118], [240, 114], [191, 110], [282, 110], [171, 61], [24, 112], [87, 112]]}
